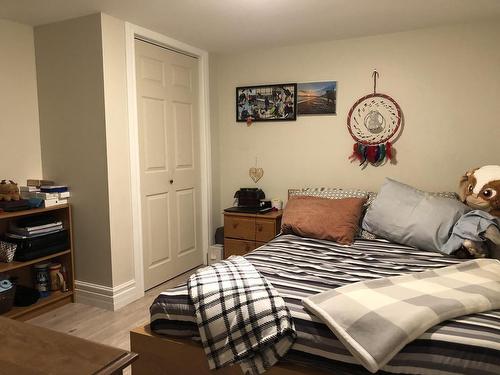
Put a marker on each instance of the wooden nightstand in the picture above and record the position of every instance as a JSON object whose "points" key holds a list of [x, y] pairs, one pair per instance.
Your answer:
{"points": [[245, 232]]}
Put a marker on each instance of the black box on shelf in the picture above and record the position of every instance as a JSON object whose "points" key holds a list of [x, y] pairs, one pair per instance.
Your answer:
{"points": [[29, 248]]}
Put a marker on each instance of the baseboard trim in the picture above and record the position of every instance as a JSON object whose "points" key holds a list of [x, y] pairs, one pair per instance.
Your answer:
{"points": [[105, 297]]}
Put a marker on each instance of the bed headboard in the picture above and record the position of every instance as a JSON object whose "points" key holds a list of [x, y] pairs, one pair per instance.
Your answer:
{"points": [[291, 191], [334, 193]]}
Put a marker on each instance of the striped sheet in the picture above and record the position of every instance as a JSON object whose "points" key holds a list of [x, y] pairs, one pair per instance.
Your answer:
{"points": [[300, 267]]}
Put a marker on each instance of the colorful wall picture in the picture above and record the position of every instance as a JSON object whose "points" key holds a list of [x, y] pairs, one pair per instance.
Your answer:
{"points": [[317, 98], [266, 103]]}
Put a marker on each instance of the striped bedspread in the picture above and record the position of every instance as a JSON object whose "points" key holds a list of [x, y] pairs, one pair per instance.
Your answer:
{"points": [[301, 267]]}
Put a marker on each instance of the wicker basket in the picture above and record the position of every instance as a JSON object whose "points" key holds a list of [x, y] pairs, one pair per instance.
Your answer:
{"points": [[7, 251], [7, 299]]}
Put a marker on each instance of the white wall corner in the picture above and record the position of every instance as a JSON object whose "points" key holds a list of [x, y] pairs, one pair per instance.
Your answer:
{"points": [[105, 297]]}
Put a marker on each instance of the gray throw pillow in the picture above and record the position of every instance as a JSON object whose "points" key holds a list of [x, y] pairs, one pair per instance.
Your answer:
{"points": [[405, 215]]}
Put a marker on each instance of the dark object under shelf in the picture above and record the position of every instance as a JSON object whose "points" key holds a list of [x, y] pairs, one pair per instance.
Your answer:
{"points": [[12, 206], [219, 236], [25, 296]]}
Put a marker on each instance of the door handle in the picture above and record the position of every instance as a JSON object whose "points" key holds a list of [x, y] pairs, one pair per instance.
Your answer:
{"points": [[171, 182]]}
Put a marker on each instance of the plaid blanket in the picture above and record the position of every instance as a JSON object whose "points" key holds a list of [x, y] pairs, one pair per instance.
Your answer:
{"points": [[375, 319], [240, 315]]}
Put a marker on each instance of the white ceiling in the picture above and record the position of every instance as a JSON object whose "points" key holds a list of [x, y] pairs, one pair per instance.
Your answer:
{"points": [[230, 25]]}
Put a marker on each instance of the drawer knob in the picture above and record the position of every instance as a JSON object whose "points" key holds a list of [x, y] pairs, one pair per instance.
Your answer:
{"points": [[259, 227], [235, 225]]}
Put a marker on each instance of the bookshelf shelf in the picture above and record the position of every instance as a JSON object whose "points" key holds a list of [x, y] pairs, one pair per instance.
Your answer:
{"points": [[6, 267], [33, 211], [54, 297]]}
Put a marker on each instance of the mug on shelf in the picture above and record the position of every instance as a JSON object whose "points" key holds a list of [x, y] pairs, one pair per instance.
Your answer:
{"points": [[276, 203], [57, 281], [42, 279]]}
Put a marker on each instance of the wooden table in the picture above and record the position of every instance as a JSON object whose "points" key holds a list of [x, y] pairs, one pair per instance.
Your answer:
{"points": [[28, 350]]}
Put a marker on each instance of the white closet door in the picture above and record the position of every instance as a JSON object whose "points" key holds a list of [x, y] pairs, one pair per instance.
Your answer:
{"points": [[167, 95]]}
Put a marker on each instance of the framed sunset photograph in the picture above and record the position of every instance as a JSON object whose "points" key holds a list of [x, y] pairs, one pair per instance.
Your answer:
{"points": [[317, 98]]}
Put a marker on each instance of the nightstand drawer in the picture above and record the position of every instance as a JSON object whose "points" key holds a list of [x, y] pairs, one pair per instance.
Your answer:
{"points": [[239, 227], [237, 247], [244, 232], [265, 230]]}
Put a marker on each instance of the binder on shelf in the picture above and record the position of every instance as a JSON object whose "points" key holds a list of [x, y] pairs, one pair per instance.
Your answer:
{"points": [[28, 189], [37, 183], [54, 189], [54, 202]]}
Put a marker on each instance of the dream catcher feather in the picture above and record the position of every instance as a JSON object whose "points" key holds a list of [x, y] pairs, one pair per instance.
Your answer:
{"points": [[373, 121]]}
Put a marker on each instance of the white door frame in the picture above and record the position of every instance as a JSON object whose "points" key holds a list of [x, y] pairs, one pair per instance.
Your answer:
{"points": [[131, 32]]}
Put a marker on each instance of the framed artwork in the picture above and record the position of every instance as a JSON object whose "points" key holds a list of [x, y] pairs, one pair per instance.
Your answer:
{"points": [[267, 103], [317, 98]]}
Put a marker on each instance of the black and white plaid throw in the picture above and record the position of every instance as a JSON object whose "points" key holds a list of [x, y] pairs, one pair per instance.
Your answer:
{"points": [[241, 316]]}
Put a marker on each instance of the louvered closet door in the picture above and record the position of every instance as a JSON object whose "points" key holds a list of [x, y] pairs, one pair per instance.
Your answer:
{"points": [[167, 95]]}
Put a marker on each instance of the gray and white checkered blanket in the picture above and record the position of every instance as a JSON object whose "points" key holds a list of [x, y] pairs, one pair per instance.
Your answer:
{"points": [[375, 319], [240, 315]]}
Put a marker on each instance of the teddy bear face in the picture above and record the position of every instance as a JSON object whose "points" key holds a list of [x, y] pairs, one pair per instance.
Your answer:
{"points": [[480, 189], [487, 198], [11, 189], [8, 190]]}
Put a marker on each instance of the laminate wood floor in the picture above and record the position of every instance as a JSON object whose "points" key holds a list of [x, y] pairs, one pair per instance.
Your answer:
{"points": [[103, 326]]}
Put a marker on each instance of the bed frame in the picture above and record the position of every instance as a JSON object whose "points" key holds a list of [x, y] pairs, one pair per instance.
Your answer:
{"points": [[165, 355], [180, 356]]}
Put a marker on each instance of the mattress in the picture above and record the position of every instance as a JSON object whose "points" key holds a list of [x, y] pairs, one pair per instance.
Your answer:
{"points": [[299, 267]]}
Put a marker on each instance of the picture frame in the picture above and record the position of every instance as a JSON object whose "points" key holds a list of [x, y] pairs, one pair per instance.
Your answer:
{"points": [[317, 98], [277, 102]]}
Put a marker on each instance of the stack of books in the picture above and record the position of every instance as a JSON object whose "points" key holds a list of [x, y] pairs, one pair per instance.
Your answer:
{"points": [[54, 195], [50, 194], [40, 227]]}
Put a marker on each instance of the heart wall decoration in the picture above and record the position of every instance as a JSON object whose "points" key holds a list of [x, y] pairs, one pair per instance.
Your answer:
{"points": [[256, 173]]}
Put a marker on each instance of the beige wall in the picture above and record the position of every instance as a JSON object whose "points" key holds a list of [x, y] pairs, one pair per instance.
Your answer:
{"points": [[73, 134], [447, 81], [84, 127], [215, 145], [20, 135], [117, 148]]}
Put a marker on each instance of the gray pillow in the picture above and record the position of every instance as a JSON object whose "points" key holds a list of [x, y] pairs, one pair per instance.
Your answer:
{"points": [[403, 214]]}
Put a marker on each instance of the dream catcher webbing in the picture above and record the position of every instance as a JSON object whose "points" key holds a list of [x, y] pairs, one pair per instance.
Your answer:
{"points": [[372, 122]]}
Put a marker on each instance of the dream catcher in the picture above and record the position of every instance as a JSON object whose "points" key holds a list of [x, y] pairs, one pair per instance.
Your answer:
{"points": [[373, 121]]}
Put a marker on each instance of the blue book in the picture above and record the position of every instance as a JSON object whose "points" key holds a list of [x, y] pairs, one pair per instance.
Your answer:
{"points": [[54, 189]]}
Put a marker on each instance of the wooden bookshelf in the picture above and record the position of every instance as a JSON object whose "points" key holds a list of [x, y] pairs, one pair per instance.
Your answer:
{"points": [[23, 271]]}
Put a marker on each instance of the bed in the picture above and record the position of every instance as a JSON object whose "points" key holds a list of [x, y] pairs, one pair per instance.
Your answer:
{"points": [[299, 267]]}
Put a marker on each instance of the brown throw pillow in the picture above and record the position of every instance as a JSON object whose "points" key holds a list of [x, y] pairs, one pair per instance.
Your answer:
{"points": [[323, 218]]}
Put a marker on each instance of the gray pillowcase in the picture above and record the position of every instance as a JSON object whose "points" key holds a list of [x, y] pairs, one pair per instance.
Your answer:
{"points": [[405, 215]]}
